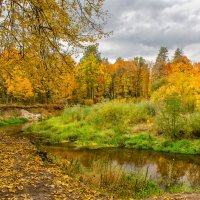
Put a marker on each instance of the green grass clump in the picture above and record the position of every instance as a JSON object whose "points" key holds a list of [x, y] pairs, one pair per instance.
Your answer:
{"points": [[183, 188], [12, 121], [181, 146], [141, 141], [146, 141]]}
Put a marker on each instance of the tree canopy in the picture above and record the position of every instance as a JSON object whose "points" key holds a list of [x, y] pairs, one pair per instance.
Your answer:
{"points": [[50, 26]]}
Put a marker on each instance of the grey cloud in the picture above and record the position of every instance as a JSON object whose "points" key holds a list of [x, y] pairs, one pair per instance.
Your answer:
{"points": [[140, 27]]}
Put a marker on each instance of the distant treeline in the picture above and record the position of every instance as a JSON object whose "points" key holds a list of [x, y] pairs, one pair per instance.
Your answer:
{"points": [[94, 79]]}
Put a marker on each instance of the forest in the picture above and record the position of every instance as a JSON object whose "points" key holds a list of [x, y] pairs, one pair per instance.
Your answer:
{"points": [[95, 80]]}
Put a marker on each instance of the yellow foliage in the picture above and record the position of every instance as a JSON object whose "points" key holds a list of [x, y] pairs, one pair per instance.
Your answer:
{"points": [[19, 87], [183, 80]]}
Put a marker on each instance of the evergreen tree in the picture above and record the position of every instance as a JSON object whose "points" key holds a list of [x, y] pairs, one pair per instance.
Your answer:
{"points": [[162, 55], [177, 55], [92, 49], [159, 69]]}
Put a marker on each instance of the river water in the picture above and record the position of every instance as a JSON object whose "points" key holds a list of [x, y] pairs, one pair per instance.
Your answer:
{"points": [[167, 168]]}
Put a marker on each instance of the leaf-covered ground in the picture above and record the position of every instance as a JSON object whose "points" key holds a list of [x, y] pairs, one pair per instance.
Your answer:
{"points": [[178, 197], [23, 175]]}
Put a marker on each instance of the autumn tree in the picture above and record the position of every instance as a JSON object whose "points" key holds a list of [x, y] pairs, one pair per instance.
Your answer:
{"points": [[118, 79], [44, 34], [87, 73], [91, 49], [127, 79], [182, 82], [43, 26]]}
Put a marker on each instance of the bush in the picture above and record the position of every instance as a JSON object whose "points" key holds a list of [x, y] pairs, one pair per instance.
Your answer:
{"points": [[108, 113], [170, 120], [145, 108], [75, 113]]}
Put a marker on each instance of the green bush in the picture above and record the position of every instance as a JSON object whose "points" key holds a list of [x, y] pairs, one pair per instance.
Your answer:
{"points": [[189, 104], [75, 113], [170, 120]]}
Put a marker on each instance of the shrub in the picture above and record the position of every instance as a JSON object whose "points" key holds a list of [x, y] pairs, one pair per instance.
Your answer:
{"points": [[107, 115], [75, 113], [147, 108], [140, 112], [170, 120]]}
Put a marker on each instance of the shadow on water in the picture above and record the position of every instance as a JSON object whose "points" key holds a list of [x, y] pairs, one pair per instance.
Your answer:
{"points": [[15, 129]]}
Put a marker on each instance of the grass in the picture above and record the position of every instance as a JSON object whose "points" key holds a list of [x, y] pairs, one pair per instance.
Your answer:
{"points": [[112, 124], [161, 144], [12, 121]]}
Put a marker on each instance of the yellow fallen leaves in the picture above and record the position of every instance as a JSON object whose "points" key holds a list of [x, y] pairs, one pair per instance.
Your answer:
{"points": [[23, 175]]}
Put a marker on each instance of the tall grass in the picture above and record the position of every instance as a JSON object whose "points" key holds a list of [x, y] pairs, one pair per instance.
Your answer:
{"points": [[106, 123], [111, 179]]}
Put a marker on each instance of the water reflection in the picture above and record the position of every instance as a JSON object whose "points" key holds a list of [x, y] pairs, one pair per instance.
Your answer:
{"points": [[167, 168]]}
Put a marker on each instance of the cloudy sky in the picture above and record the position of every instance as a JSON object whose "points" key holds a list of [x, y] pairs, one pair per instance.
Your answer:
{"points": [[141, 27]]}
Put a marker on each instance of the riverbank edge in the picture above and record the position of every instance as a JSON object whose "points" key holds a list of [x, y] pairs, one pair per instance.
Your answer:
{"points": [[141, 141]]}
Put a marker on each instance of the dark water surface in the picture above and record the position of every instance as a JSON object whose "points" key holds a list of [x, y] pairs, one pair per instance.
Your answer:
{"points": [[163, 167]]}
